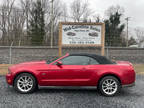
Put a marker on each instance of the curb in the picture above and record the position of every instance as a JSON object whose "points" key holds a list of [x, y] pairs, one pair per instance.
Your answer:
{"points": [[140, 73]]}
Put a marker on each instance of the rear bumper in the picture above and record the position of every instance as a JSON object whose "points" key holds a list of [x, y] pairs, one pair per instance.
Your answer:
{"points": [[129, 85], [9, 79]]}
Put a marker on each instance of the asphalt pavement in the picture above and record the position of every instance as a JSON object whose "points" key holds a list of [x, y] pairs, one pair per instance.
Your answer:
{"points": [[51, 97]]}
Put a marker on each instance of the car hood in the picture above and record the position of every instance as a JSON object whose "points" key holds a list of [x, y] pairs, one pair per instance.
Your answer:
{"points": [[26, 64], [33, 62]]}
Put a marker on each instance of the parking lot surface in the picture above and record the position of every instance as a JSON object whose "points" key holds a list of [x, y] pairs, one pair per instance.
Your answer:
{"points": [[72, 97]]}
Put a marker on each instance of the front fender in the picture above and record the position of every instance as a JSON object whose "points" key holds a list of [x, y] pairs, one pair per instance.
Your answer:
{"points": [[24, 71]]}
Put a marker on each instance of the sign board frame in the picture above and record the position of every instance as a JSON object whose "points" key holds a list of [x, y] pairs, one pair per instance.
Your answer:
{"points": [[102, 45]]}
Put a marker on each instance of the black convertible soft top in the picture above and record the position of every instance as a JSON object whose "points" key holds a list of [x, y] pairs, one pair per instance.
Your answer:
{"points": [[100, 59]]}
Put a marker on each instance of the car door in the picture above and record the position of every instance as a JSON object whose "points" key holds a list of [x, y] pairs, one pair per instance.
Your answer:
{"points": [[74, 71]]}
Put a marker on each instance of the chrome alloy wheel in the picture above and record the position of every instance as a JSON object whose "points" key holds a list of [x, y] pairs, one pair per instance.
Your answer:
{"points": [[25, 83], [109, 86]]}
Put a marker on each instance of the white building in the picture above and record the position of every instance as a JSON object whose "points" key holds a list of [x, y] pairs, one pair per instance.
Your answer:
{"points": [[141, 44]]}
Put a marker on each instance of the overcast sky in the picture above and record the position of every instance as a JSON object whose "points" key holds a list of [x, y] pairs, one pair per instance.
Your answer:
{"points": [[133, 9]]}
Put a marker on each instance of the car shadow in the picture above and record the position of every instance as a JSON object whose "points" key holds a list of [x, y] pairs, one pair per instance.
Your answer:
{"points": [[66, 90], [125, 92]]}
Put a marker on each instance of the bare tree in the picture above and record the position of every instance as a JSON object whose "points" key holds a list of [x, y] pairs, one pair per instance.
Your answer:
{"points": [[14, 19], [12, 23], [58, 13], [65, 15], [140, 34], [17, 25], [25, 6], [80, 10], [5, 22], [113, 9], [97, 18]]}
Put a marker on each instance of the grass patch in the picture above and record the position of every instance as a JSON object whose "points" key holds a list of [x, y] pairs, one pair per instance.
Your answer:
{"points": [[139, 68], [4, 69]]}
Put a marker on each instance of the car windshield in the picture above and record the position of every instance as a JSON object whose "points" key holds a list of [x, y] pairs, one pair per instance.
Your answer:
{"points": [[51, 59]]}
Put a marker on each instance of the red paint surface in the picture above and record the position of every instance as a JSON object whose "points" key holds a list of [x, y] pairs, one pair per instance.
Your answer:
{"points": [[72, 75]]}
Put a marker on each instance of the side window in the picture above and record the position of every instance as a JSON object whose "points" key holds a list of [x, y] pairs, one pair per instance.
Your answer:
{"points": [[75, 60], [93, 61]]}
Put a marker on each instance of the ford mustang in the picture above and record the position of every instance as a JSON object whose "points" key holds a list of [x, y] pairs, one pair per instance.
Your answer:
{"points": [[73, 70]]}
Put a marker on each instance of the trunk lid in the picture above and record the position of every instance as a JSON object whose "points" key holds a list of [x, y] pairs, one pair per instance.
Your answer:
{"points": [[124, 63]]}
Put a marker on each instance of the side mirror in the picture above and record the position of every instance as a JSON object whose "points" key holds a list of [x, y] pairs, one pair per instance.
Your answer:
{"points": [[59, 63]]}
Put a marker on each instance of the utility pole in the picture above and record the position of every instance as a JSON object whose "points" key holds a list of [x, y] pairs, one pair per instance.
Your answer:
{"points": [[127, 19], [52, 3]]}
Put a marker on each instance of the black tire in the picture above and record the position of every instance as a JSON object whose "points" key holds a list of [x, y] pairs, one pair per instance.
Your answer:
{"points": [[101, 86], [34, 85]]}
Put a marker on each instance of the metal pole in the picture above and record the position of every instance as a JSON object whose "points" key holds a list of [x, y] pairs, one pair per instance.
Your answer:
{"points": [[10, 59], [107, 52], [52, 22], [127, 19]]}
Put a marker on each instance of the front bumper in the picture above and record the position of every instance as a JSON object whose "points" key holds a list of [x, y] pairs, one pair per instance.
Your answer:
{"points": [[129, 85], [9, 79]]}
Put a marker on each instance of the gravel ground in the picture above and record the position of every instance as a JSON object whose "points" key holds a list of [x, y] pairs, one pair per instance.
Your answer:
{"points": [[72, 98]]}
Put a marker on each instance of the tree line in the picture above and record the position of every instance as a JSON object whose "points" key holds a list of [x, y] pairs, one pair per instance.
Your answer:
{"points": [[28, 22]]}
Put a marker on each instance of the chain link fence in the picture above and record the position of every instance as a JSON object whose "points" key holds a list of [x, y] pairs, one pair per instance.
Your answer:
{"points": [[17, 54]]}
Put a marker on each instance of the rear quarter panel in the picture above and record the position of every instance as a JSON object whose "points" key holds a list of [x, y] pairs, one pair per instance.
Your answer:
{"points": [[125, 73]]}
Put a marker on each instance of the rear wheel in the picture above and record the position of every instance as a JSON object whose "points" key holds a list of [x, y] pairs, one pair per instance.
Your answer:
{"points": [[25, 83], [109, 86]]}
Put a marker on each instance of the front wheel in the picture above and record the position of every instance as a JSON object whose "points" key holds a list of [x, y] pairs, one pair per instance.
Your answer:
{"points": [[25, 83], [109, 86]]}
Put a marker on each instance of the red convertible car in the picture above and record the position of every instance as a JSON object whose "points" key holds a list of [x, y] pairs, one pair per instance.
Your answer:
{"points": [[73, 70]]}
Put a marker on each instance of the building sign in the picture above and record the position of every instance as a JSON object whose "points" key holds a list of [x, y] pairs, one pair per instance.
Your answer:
{"points": [[81, 34]]}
